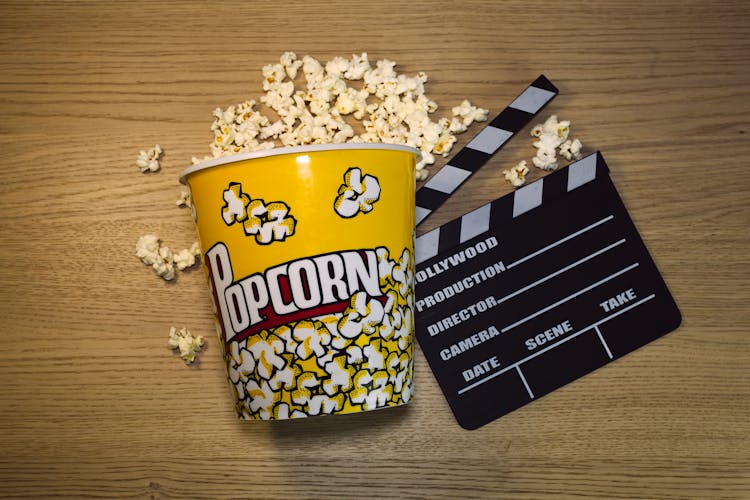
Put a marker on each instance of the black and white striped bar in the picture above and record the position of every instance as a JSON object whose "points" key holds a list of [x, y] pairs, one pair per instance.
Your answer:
{"points": [[508, 207], [481, 148]]}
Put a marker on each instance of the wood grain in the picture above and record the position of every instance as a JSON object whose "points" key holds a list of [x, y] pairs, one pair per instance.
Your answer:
{"points": [[92, 404]]}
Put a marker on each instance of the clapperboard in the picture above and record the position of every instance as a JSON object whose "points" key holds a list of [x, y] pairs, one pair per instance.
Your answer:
{"points": [[534, 290]]}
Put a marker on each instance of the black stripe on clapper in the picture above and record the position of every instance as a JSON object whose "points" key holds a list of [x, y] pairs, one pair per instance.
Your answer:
{"points": [[510, 206], [485, 144]]}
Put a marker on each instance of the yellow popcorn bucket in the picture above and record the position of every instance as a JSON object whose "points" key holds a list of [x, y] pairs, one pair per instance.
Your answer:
{"points": [[309, 257]]}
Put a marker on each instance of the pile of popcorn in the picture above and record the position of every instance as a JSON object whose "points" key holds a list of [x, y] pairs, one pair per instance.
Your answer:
{"points": [[355, 360], [391, 107], [324, 104], [552, 137]]}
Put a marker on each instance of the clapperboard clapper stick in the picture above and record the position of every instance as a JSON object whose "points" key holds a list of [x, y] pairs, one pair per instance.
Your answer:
{"points": [[534, 290], [481, 148]]}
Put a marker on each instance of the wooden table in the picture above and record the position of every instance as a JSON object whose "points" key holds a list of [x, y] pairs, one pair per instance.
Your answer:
{"points": [[92, 404]]}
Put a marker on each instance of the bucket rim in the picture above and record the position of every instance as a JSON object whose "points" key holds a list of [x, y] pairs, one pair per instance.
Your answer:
{"points": [[311, 148]]}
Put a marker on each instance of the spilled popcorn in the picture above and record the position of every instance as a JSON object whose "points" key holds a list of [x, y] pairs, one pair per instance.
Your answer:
{"points": [[571, 150], [517, 175], [183, 340], [163, 261], [185, 199], [391, 107], [187, 257], [464, 115], [552, 137], [148, 248], [148, 161]]}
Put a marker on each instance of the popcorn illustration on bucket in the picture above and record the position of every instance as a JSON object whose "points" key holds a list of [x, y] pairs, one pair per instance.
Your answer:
{"points": [[309, 256]]}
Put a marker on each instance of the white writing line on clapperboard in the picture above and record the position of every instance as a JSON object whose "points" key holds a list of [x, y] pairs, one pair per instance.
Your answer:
{"points": [[465, 314], [561, 241], [490, 272], [517, 364], [606, 347], [525, 384], [560, 271], [569, 297], [461, 346]]}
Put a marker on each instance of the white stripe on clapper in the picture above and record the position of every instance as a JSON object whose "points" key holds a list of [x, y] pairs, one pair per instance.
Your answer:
{"points": [[475, 223], [447, 179], [427, 246], [532, 99], [527, 197], [421, 214], [489, 140], [582, 171]]}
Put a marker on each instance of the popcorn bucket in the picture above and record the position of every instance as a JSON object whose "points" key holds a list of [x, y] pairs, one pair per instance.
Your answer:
{"points": [[309, 256]]}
